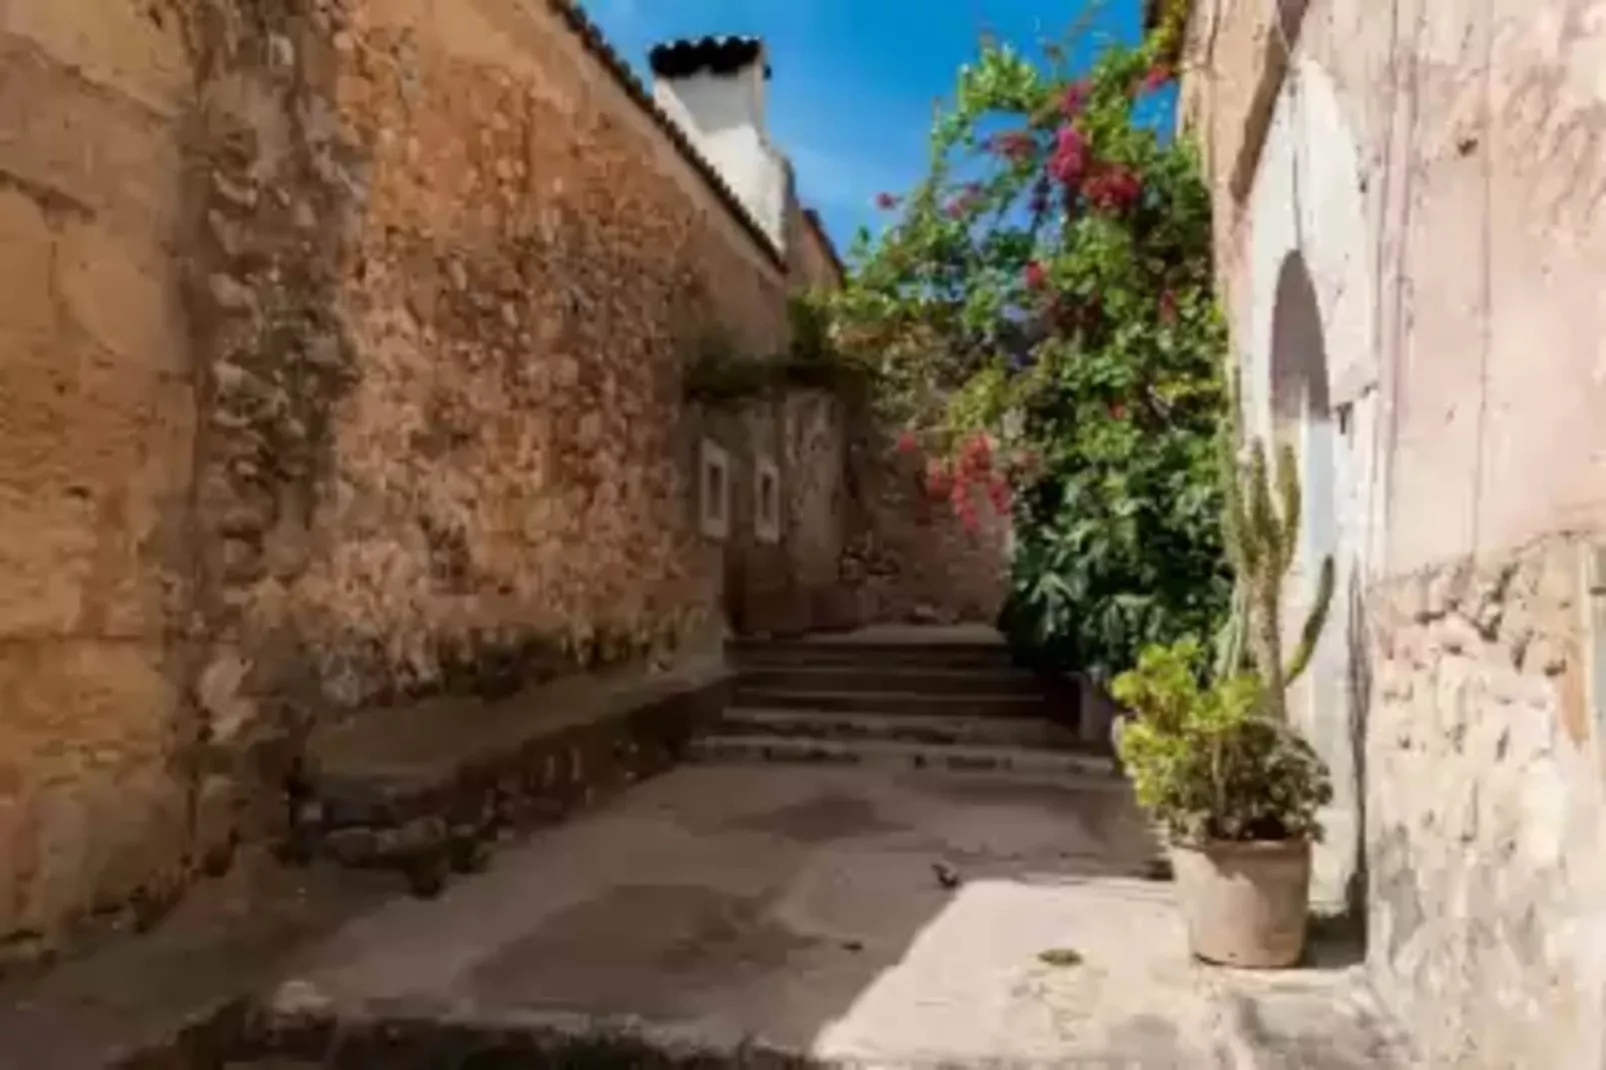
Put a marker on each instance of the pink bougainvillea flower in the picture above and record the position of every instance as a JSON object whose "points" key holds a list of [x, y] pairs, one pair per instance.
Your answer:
{"points": [[1074, 99], [965, 510], [967, 200], [1036, 275], [938, 479], [1013, 145], [1113, 188], [998, 494], [885, 201], [1068, 162], [907, 443], [978, 455], [1157, 76]]}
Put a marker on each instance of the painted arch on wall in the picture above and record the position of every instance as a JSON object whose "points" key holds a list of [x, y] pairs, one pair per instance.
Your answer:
{"points": [[1306, 341]]}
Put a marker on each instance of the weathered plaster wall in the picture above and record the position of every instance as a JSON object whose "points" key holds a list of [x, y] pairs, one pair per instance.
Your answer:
{"points": [[789, 585], [97, 429], [1439, 170], [1304, 321]]}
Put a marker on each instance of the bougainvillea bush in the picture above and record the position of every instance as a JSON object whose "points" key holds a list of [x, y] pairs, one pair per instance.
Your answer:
{"points": [[1040, 316]]}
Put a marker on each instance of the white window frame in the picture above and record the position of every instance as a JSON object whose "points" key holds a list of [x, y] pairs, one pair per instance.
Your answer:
{"points": [[713, 510], [766, 529]]}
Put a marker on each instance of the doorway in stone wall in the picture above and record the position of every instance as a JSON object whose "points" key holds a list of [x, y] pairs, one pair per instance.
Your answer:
{"points": [[1303, 416]]}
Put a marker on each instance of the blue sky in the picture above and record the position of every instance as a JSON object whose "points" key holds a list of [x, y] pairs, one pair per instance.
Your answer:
{"points": [[854, 80]]}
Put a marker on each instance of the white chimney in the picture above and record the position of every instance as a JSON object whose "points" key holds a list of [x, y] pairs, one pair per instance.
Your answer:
{"points": [[713, 88]]}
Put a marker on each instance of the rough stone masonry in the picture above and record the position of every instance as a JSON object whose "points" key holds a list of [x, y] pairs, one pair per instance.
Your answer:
{"points": [[344, 355], [1484, 811]]}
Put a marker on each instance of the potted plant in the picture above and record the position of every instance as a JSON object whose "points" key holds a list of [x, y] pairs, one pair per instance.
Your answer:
{"points": [[1234, 787]]}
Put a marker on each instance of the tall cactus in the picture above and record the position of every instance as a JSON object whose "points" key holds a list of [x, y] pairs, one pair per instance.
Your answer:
{"points": [[1260, 527]]}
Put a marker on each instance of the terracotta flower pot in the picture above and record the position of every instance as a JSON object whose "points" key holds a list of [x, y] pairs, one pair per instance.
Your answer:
{"points": [[1245, 904]]}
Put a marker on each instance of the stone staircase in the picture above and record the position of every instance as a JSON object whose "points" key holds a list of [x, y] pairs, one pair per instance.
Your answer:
{"points": [[942, 700]]}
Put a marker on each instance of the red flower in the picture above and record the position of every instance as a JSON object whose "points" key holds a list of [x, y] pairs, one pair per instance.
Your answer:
{"points": [[1069, 159], [907, 443], [1112, 189], [938, 479], [1168, 307], [1036, 276], [1013, 145], [998, 494], [978, 454], [1075, 97], [886, 201], [1157, 76], [964, 202]]}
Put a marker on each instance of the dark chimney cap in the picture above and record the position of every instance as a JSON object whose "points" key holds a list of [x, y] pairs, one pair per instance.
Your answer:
{"points": [[716, 55]]}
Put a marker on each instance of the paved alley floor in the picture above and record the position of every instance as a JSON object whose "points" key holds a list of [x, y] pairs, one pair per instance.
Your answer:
{"points": [[803, 907]]}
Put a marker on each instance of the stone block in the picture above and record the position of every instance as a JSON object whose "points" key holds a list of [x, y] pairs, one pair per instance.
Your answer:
{"points": [[92, 813], [127, 48], [122, 289], [92, 495], [82, 149], [48, 559], [27, 251]]}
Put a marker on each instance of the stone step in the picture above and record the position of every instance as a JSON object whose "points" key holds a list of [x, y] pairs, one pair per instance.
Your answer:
{"points": [[903, 703], [913, 679], [1035, 763], [904, 728], [750, 653]]}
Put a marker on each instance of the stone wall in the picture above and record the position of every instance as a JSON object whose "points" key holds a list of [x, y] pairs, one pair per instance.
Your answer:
{"points": [[1431, 181], [343, 364], [908, 557], [502, 266], [527, 272], [1485, 812], [343, 358], [97, 434], [789, 585]]}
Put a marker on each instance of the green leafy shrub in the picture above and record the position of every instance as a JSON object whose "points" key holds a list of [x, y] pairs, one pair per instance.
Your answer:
{"points": [[1040, 317], [1207, 761], [719, 375]]}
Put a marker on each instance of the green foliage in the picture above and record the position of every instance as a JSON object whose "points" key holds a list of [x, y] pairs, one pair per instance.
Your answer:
{"points": [[1209, 762], [719, 375], [1047, 288], [1260, 528]]}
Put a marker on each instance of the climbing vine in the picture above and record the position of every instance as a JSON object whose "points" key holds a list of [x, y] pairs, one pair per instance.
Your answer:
{"points": [[1040, 318]]}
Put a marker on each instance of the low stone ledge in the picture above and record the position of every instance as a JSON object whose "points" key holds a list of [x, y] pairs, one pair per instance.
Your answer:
{"points": [[428, 789]]}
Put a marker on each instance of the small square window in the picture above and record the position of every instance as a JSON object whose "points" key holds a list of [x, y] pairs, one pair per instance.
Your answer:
{"points": [[713, 491], [767, 501]]}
